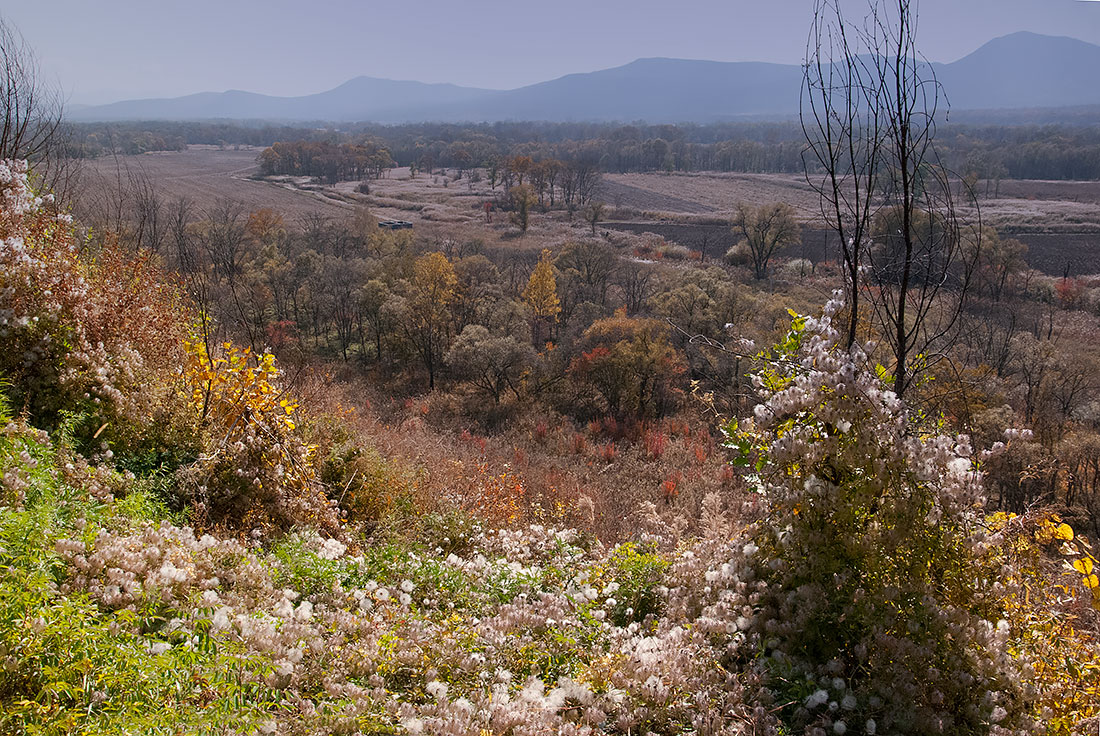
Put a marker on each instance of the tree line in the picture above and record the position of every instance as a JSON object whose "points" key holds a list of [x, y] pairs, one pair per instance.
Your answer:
{"points": [[327, 161], [989, 152]]}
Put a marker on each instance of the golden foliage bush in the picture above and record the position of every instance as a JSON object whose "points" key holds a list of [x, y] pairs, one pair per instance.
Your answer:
{"points": [[256, 473], [1050, 601]]}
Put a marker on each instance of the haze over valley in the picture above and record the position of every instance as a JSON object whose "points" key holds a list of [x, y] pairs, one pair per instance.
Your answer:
{"points": [[1022, 70]]}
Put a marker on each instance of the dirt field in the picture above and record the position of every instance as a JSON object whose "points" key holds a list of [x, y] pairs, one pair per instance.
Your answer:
{"points": [[713, 194], [1066, 191], [208, 176], [1054, 254], [1059, 221]]}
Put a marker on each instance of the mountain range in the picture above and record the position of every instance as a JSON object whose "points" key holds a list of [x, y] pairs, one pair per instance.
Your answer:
{"points": [[1021, 70]]}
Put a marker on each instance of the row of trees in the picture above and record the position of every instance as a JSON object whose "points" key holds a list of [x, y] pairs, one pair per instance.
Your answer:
{"points": [[552, 181], [327, 161], [988, 152], [992, 151]]}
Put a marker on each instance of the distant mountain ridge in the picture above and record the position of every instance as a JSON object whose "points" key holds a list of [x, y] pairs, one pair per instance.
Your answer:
{"points": [[1021, 70]]}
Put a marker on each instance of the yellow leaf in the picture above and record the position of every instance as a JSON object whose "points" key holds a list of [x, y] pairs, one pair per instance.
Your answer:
{"points": [[1091, 582], [1083, 565], [1064, 531]]}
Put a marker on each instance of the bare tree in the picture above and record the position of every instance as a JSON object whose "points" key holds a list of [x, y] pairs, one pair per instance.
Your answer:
{"points": [[765, 230], [30, 110], [150, 220], [842, 124], [635, 281], [869, 108]]}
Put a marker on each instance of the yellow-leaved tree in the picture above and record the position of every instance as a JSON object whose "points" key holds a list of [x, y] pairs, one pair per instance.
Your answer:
{"points": [[541, 295]]}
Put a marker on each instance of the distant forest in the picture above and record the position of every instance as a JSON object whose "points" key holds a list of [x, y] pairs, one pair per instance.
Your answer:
{"points": [[981, 150]]}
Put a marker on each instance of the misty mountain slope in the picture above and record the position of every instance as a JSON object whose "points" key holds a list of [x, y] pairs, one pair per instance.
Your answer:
{"points": [[1022, 70], [655, 90], [361, 98], [383, 100], [204, 105]]}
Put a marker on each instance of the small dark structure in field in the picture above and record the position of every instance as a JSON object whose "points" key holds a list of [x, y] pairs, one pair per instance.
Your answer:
{"points": [[395, 224]]}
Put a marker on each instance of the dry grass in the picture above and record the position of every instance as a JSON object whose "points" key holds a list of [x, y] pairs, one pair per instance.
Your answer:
{"points": [[708, 193], [542, 467], [208, 177], [1032, 214]]}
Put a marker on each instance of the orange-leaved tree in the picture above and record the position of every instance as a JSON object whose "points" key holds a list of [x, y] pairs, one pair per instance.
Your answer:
{"points": [[632, 364]]}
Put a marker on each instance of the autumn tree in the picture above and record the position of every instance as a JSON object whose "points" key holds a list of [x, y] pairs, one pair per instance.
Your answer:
{"points": [[492, 363], [478, 291], [636, 285], [690, 307], [763, 231], [363, 227], [522, 198], [999, 262], [341, 299], [423, 312], [372, 313], [593, 213], [541, 295], [586, 268], [520, 167], [265, 226], [632, 364]]}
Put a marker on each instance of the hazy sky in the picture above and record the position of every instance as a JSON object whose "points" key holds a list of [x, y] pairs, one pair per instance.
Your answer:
{"points": [[105, 50]]}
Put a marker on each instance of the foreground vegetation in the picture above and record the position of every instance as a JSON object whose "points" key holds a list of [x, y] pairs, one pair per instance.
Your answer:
{"points": [[191, 542]]}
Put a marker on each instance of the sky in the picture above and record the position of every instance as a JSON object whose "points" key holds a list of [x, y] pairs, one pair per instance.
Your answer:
{"points": [[101, 51]]}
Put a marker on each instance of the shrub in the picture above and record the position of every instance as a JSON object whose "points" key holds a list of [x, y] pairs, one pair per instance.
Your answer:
{"points": [[866, 557], [93, 332], [796, 268], [632, 364], [257, 473], [739, 255]]}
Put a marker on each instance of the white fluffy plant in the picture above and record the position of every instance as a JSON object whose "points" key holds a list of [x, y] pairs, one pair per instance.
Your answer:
{"points": [[873, 609]]}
